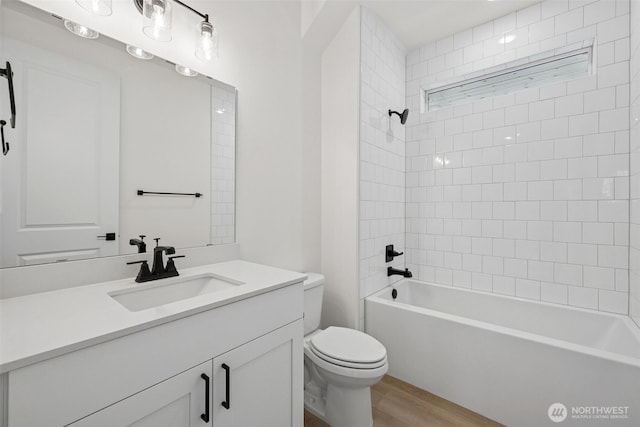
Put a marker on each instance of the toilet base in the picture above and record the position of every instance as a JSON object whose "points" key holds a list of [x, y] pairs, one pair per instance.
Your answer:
{"points": [[348, 407], [315, 405], [343, 407]]}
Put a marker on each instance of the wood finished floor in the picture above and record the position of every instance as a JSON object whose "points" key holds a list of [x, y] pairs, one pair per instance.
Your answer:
{"points": [[398, 404]]}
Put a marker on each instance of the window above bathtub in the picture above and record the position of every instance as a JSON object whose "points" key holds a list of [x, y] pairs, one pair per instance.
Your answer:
{"points": [[522, 74]]}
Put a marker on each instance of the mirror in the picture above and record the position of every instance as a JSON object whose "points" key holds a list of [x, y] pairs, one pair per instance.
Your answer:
{"points": [[94, 127]]}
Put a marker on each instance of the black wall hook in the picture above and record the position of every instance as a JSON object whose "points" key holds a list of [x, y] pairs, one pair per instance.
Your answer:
{"points": [[5, 144]]}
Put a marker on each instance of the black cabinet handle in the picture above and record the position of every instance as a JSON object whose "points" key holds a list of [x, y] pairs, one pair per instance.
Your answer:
{"points": [[205, 416], [227, 402], [5, 144], [6, 72]]}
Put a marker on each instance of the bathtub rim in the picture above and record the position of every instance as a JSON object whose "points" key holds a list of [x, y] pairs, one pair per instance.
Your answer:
{"points": [[515, 333]]}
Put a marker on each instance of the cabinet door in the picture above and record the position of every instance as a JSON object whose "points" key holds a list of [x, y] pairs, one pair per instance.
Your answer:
{"points": [[260, 383], [177, 402]]}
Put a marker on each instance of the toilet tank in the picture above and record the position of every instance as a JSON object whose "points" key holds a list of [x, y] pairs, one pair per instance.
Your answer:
{"points": [[313, 289]]}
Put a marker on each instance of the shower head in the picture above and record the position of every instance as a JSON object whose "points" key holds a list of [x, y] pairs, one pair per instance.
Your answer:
{"points": [[403, 116]]}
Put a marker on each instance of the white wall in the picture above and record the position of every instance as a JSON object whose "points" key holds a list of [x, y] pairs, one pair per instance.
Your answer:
{"points": [[310, 157], [634, 145], [525, 194], [318, 34], [308, 13], [382, 154], [262, 58], [339, 174]]}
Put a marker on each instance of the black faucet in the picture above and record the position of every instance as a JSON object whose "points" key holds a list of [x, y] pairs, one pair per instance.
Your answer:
{"points": [[158, 271], [158, 262], [142, 246], [394, 271]]}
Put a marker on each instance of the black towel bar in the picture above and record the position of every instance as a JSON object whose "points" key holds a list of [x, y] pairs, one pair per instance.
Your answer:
{"points": [[142, 193]]}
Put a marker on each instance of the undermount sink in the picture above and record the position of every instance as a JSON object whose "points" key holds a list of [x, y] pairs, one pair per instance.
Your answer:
{"points": [[165, 291]]}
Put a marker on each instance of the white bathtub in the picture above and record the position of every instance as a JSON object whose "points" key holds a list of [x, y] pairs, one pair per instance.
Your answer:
{"points": [[511, 359]]}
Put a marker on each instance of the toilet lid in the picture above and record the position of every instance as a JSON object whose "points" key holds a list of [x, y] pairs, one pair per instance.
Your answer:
{"points": [[348, 345]]}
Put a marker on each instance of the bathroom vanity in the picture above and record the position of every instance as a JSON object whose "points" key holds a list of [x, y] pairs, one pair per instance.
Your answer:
{"points": [[230, 356]]}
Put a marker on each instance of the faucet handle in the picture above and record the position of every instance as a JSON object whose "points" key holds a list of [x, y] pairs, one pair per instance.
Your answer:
{"points": [[157, 239], [144, 273], [171, 266], [390, 253]]}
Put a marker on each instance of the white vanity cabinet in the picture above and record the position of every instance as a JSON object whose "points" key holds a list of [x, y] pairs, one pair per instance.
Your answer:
{"points": [[254, 384], [250, 350], [179, 401]]}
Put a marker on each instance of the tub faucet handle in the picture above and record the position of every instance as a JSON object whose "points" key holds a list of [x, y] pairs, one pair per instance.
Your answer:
{"points": [[390, 253]]}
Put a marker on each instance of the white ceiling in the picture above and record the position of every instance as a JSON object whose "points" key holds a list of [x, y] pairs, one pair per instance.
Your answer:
{"points": [[418, 22]]}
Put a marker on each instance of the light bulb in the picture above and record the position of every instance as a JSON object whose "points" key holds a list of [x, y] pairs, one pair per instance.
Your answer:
{"points": [[185, 71], [136, 52], [206, 41], [156, 19], [81, 30]]}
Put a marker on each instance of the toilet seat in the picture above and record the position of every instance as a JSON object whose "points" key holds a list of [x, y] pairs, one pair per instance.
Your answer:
{"points": [[348, 348], [347, 364]]}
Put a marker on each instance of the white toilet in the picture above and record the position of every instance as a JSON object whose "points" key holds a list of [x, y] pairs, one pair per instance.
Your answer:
{"points": [[340, 365]]}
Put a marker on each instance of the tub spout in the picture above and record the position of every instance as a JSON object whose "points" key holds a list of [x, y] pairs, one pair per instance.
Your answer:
{"points": [[394, 271]]}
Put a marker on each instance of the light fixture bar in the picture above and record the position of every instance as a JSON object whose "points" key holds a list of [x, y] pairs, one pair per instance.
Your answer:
{"points": [[138, 4], [202, 15]]}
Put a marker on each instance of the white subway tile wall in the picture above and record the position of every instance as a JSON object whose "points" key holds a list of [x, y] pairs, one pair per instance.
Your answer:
{"points": [[634, 146], [382, 153], [223, 160], [527, 194]]}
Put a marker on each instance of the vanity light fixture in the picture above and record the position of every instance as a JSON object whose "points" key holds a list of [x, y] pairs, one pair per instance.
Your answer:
{"points": [[186, 71], [81, 30], [157, 24], [136, 52], [156, 19], [97, 7], [206, 41]]}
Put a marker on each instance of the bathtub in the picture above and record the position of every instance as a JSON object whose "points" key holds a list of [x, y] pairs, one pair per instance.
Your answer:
{"points": [[518, 362]]}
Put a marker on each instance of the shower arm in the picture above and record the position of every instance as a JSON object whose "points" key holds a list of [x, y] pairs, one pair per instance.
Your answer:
{"points": [[396, 113]]}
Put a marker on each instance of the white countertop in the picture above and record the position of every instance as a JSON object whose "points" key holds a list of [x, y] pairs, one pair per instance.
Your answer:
{"points": [[40, 326]]}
